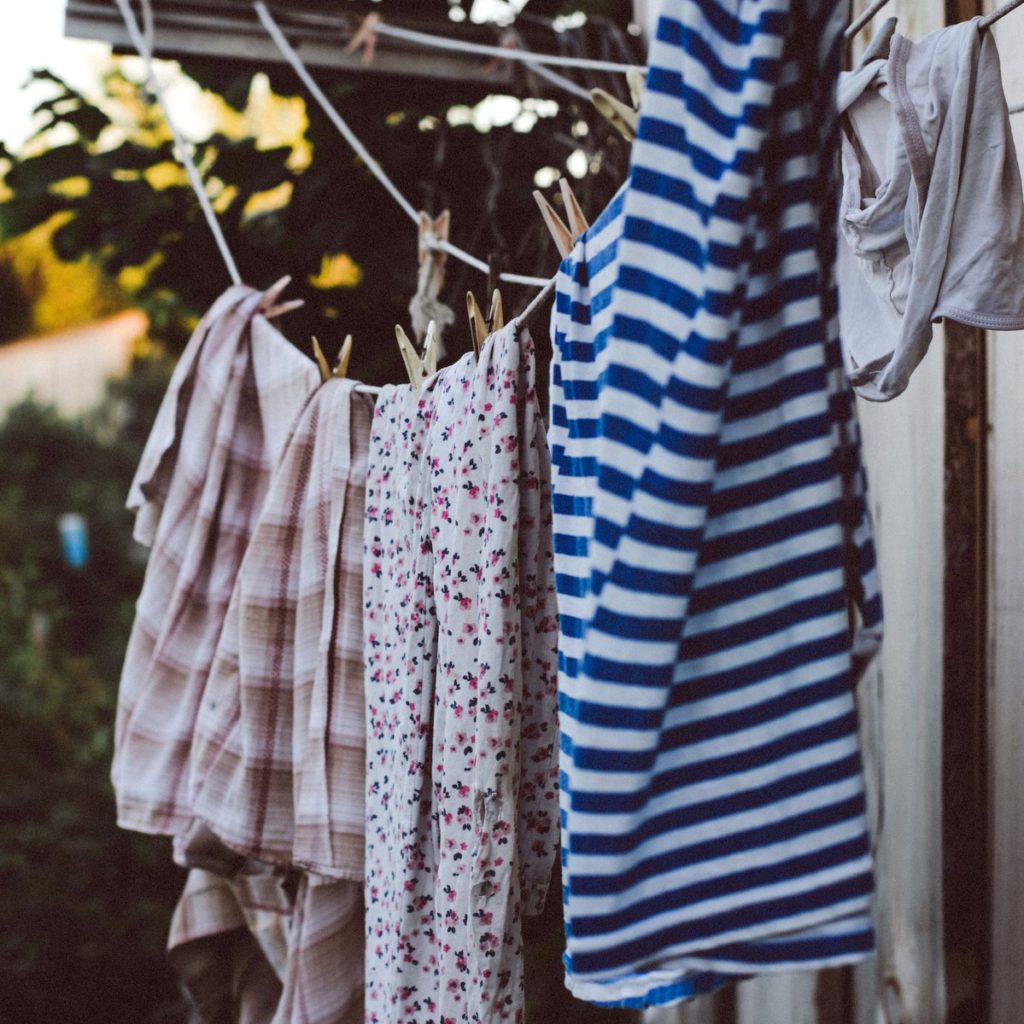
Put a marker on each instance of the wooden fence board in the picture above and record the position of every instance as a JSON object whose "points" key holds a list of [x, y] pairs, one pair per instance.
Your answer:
{"points": [[777, 999], [1006, 620]]}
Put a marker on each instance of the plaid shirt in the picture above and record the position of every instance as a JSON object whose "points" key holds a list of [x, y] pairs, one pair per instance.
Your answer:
{"points": [[197, 491], [278, 758], [324, 978], [250, 951]]}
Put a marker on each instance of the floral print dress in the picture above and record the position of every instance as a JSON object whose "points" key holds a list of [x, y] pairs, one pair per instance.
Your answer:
{"points": [[460, 639]]}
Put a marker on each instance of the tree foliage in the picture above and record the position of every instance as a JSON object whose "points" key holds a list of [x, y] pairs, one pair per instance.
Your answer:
{"points": [[310, 205], [84, 915]]}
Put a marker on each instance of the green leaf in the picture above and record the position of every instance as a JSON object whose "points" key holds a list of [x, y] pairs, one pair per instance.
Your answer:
{"points": [[37, 173], [252, 169], [87, 120], [25, 212]]}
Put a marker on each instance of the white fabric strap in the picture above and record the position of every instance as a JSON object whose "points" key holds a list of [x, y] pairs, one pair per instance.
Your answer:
{"points": [[143, 43]]}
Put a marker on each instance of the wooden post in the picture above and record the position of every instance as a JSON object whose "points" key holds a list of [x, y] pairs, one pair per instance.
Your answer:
{"points": [[1006, 615], [966, 861], [965, 820]]}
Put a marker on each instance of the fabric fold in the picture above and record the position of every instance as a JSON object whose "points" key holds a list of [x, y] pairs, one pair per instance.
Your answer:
{"points": [[460, 662], [197, 492], [278, 762], [932, 215]]}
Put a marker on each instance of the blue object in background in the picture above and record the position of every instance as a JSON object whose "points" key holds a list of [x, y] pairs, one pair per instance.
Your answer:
{"points": [[74, 539]]}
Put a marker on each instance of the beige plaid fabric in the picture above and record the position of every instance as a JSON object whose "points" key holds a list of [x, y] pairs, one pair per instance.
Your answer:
{"points": [[324, 977], [249, 950], [278, 759], [197, 491], [229, 945]]}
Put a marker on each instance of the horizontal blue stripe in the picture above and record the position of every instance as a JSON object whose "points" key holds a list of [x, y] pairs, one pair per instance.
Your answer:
{"points": [[789, 659], [737, 801], [617, 955], [739, 882], [779, 621], [746, 760], [769, 532], [709, 596], [571, 545], [751, 493], [724, 23], [624, 485], [714, 726], [667, 346], [799, 950]]}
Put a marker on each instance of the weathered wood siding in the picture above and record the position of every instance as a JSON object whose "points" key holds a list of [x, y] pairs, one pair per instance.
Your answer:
{"points": [[1006, 719]]}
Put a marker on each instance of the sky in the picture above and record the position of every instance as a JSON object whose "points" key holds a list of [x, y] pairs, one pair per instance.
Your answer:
{"points": [[34, 38]]}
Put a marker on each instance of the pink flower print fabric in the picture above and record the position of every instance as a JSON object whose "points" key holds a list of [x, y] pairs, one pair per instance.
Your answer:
{"points": [[460, 635]]}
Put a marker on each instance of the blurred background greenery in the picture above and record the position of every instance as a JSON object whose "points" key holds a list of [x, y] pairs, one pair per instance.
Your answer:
{"points": [[97, 217]]}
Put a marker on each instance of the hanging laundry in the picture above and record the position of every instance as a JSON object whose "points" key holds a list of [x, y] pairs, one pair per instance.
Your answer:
{"points": [[323, 981], [932, 216], [278, 757], [710, 528], [460, 679], [229, 945], [197, 492], [262, 947]]}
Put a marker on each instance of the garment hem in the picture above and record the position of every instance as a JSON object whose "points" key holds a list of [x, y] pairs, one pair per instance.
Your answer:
{"points": [[985, 321], [727, 974], [280, 860], [686, 962]]}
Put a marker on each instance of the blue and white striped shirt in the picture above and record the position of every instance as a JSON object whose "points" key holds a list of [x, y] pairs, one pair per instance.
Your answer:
{"points": [[712, 529]]}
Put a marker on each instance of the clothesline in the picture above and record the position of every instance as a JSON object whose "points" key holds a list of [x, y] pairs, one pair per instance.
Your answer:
{"points": [[1000, 13], [858, 23], [142, 40], [143, 43], [503, 53], [288, 52]]}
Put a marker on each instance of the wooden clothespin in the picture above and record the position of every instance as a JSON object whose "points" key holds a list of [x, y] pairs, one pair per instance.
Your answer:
{"points": [[477, 324], [565, 237], [479, 327], [365, 38], [419, 369], [270, 307], [426, 304], [635, 81], [878, 48], [623, 118], [496, 314], [577, 221], [340, 367], [508, 41]]}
